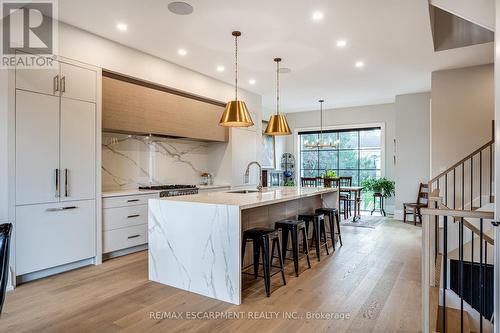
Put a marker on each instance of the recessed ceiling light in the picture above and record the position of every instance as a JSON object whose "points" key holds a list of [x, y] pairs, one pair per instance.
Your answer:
{"points": [[285, 70], [317, 16], [359, 64], [251, 81], [182, 52], [341, 43], [220, 68], [180, 8], [121, 27]]}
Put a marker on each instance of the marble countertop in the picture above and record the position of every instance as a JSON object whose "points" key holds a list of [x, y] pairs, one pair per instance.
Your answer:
{"points": [[122, 193], [269, 195], [125, 192]]}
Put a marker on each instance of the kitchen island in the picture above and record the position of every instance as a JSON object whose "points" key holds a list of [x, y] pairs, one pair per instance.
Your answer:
{"points": [[195, 240]]}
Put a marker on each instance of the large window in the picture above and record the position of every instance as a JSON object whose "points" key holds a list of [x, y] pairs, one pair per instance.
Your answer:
{"points": [[358, 154]]}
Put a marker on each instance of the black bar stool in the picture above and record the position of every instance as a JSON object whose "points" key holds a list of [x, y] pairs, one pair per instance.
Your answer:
{"points": [[261, 238], [293, 227], [318, 222], [333, 218]]}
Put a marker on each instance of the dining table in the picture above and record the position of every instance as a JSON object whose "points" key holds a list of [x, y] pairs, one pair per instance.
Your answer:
{"points": [[356, 190]]}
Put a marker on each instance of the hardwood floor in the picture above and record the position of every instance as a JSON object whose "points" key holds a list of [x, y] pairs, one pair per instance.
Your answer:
{"points": [[373, 281]]}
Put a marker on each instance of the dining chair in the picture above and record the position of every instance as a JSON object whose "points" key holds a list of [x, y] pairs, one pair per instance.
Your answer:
{"points": [[309, 182], [5, 232]]}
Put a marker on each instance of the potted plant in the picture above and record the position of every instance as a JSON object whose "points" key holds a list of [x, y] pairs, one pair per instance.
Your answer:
{"points": [[382, 186], [328, 174]]}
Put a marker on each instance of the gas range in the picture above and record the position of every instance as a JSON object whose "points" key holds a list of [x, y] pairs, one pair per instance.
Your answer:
{"points": [[172, 190]]}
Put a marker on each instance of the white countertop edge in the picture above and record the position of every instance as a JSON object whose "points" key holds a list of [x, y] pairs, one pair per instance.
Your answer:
{"points": [[258, 202]]}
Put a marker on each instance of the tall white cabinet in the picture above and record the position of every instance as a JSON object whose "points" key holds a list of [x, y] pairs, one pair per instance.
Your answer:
{"points": [[56, 176]]}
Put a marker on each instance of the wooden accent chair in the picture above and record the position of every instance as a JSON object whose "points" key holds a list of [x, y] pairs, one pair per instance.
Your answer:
{"points": [[345, 197], [309, 181], [410, 208]]}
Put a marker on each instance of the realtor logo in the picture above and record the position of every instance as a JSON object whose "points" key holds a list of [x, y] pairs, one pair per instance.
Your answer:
{"points": [[28, 33]]}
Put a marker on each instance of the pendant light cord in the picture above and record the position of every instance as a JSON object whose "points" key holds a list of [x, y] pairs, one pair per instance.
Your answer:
{"points": [[236, 68], [277, 87], [321, 118]]}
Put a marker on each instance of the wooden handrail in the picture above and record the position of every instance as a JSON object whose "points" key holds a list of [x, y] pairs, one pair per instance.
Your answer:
{"points": [[467, 224], [475, 214]]}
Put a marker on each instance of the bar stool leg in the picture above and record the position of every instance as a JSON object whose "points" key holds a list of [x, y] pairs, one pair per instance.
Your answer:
{"points": [[284, 238], [265, 265], [322, 229], [295, 250], [305, 245], [316, 238], [337, 217], [256, 257], [281, 260], [332, 229]]}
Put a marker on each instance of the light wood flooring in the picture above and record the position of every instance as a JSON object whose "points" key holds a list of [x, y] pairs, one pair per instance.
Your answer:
{"points": [[373, 281]]}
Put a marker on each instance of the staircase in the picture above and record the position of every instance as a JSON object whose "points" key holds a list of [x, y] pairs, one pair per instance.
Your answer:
{"points": [[458, 244]]}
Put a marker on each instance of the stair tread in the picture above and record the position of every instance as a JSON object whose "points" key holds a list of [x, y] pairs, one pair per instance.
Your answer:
{"points": [[453, 320]]}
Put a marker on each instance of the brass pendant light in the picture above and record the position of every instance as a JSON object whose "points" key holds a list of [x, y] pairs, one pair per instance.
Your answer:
{"points": [[236, 113], [277, 124]]}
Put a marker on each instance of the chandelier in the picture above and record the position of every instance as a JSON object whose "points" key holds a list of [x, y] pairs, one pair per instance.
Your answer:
{"points": [[321, 142]]}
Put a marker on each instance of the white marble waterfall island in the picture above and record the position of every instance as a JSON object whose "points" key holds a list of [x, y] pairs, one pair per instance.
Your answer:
{"points": [[195, 240]]}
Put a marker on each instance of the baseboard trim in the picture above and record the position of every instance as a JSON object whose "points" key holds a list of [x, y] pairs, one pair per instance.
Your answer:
{"points": [[53, 271], [124, 252]]}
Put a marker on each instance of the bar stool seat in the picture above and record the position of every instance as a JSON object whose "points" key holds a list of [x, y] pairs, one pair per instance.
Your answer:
{"points": [[293, 227], [333, 218], [319, 230], [261, 238]]}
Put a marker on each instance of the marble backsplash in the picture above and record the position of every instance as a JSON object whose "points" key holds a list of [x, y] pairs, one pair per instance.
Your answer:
{"points": [[132, 160]]}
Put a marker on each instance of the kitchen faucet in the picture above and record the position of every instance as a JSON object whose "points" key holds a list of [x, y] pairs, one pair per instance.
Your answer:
{"points": [[247, 174]]}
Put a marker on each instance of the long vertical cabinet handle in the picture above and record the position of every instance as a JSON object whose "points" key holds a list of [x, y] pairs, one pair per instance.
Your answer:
{"points": [[66, 172], [57, 183], [63, 84], [56, 83]]}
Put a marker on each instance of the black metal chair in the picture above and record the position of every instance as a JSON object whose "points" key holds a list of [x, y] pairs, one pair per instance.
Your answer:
{"points": [[319, 231], [293, 227], [333, 218], [5, 232], [261, 238]]}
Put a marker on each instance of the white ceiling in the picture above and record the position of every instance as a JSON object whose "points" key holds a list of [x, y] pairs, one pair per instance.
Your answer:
{"points": [[392, 37]]}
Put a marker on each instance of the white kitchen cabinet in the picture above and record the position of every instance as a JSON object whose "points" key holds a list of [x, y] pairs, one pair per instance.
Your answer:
{"points": [[56, 174], [125, 221], [44, 81], [78, 158], [50, 235], [78, 83], [37, 148]]}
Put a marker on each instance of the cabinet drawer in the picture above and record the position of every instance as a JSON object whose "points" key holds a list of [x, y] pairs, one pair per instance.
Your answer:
{"points": [[123, 238], [129, 200], [50, 235], [121, 217]]}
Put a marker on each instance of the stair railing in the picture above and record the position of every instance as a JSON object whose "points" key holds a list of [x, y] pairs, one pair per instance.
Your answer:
{"points": [[462, 185], [430, 236]]}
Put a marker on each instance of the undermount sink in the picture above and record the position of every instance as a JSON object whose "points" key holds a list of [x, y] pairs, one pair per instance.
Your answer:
{"points": [[243, 191]]}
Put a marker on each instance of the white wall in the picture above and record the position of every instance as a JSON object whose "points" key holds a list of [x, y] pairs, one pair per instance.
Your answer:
{"points": [[462, 108], [370, 114], [4, 207], [228, 161], [412, 147]]}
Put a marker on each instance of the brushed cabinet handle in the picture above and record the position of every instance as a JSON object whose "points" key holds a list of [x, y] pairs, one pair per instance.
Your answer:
{"points": [[134, 236], [132, 200], [60, 209], [66, 173], [63, 84], [57, 183], [56, 83], [132, 216]]}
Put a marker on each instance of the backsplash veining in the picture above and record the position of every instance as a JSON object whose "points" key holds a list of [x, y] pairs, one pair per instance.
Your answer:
{"points": [[131, 160]]}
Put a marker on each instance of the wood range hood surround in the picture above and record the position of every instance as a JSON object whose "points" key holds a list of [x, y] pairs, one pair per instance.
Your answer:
{"points": [[134, 106]]}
